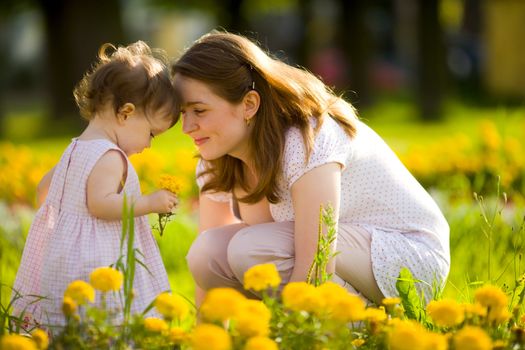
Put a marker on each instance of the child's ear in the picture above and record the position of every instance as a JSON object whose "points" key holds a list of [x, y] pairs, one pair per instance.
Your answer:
{"points": [[251, 101], [125, 111]]}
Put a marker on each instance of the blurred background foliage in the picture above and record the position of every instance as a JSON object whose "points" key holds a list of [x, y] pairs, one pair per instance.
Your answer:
{"points": [[443, 81]]}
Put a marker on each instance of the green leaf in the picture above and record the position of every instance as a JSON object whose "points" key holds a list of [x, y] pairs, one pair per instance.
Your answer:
{"points": [[410, 299]]}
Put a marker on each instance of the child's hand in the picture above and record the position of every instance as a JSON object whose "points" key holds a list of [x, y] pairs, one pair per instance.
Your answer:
{"points": [[162, 201]]}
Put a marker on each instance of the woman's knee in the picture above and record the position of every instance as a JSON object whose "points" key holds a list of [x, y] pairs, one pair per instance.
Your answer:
{"points": [[239, 253]]}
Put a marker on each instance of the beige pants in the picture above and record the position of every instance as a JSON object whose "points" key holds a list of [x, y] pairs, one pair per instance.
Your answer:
{"points": [[220, 256]]}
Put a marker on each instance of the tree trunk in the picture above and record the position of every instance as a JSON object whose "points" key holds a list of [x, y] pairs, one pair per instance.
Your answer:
{"points": [[75, 30], [356, 45], [431, 60]]}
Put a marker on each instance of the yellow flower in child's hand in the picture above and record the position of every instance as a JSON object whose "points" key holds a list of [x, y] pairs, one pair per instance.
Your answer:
{"points": [[106, 279], [80, 291], [41, 339], [446, 312], [171, 306], [261, 277], [472, 338], [210, 337], [170, 183], [221, 304], [358, 342], [69, 306], [155, 324], [260, 343], [16, 342]]}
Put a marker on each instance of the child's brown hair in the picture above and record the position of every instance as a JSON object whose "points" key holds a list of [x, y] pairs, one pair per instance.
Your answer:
{"points": [[132, 74]]}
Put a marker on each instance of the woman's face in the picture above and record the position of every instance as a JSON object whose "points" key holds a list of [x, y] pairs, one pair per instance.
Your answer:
{"points": [[216, 126]]}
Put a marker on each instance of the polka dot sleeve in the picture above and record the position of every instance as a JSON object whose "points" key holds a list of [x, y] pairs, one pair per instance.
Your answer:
{"points": [[331, 145], [201, 180]]}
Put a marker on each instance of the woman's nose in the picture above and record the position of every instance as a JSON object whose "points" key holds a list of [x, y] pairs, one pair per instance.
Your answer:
{"points": [[188, 124]]}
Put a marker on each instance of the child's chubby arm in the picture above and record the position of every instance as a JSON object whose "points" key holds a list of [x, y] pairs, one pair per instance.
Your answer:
{"points": [[104, 191], [43, 187]]}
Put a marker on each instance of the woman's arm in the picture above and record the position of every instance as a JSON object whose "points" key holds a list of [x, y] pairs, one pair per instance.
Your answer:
{"points": [[104, 191], [43, 187], [319, 186]]}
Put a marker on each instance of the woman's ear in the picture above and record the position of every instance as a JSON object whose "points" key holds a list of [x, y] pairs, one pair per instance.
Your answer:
{"points": [[251, 101], [125, 111]]}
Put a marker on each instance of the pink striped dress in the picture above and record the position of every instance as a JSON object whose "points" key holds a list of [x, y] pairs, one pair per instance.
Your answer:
{"points": [[65, 243]]}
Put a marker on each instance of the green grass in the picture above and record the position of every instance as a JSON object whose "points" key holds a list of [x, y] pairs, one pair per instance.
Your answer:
{"points": [[395, 121]]}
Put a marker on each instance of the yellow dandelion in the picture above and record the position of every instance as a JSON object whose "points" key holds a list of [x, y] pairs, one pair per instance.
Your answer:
{"points": [[68, 306], [155, 324], [80, 291], [260, 343], [301, 296], [446, 312], [476, 309], [253, 319], [16, 342], [375, 314], [177, 335], [391, 301], [406, 335], [472, 338], [106, 279], [41, 339], [261, 277], [170, 183], [347, 308], [491, 297], [171, 306], [358, 342], [499, 345], [435, 341], [210, 337], [221, 304]]}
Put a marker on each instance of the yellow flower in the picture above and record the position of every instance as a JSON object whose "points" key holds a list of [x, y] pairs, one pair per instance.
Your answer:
{"points": [[16, 342], [358, 342], [375, 315], [210, 337], [406, 335], [155, 324], [446, 313], [261, 277], [475, 309], [253, 319], [491, 297], [177, 335], [69, 306], [260, 343], [301, 296], [171, 306], [391, 301], [339, 304], [41, 339], [472, 338], [221, 304], [435, 341], [170, 183], [106, 279], [80, 291]]}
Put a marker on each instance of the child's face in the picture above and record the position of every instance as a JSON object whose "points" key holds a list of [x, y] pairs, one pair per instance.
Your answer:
{"points": [[136, 132]]}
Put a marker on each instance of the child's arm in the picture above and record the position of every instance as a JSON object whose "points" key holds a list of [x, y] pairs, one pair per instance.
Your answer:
{"points": [[104, 196], [43, 187]]}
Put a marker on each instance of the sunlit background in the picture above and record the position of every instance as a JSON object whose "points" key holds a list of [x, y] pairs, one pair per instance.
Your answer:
{"points": [[443, 81]]}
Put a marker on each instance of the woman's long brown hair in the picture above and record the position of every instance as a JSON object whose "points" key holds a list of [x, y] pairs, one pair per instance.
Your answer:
{"points": [[231, 65]]}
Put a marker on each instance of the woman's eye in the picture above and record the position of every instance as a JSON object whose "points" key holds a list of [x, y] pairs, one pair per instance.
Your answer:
{"points": [[199, 111]]}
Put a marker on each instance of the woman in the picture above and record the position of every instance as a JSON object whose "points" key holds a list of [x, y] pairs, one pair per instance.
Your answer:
{"points": [[276, 144]]}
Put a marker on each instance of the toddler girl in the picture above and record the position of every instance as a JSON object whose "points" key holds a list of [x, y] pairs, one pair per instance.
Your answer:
{"points": [[127, 99]]}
